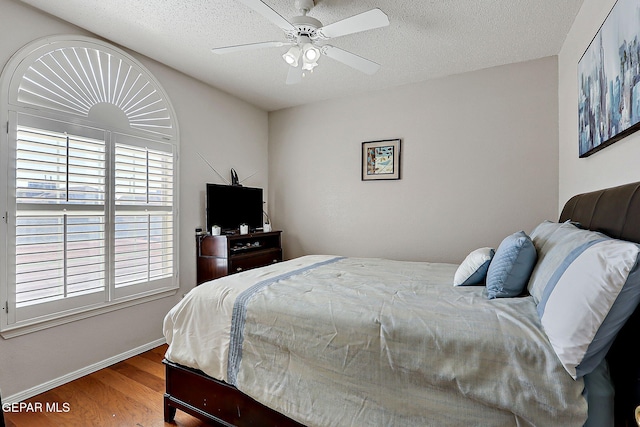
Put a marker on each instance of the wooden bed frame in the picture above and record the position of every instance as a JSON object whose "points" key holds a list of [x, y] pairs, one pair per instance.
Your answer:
{"points": [[613, 211], [198, 394]]}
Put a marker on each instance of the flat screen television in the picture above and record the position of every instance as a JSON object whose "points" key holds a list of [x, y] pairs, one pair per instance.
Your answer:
{"points": [[228, 206]]}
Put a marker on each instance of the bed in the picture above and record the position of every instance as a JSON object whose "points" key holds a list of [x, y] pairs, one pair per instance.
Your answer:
{"points": [[325, 340]]}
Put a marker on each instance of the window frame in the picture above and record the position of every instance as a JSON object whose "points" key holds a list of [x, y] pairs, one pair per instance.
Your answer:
{"points": [[10, 109]]}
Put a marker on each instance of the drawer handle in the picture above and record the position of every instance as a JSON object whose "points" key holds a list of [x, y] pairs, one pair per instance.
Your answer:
{"points": [[275, 260], [239, 269]]}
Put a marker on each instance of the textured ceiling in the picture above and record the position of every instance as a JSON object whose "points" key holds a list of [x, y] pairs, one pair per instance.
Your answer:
{"points": [[426, 39]]}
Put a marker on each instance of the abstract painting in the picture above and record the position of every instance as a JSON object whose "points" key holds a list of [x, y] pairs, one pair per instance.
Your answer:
{"points": [[609, 81], [381, 160]]}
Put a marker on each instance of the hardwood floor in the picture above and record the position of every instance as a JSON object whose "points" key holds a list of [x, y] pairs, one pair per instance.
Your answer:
{"points": [[127, 394]]}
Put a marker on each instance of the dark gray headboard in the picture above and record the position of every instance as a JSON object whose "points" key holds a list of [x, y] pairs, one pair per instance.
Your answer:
{"points": [[616, 212]]}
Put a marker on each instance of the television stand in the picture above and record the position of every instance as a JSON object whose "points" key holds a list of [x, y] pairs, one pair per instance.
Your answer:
{"points": [[222, 255]]}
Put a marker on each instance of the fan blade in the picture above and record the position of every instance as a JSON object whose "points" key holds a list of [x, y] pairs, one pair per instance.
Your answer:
{"points": [[375, 18], [294, 75], [269, 13], [250, 46], [350, 59]]}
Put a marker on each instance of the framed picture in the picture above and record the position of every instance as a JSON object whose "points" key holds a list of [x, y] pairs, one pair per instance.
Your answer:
{"points": [[381, 160], [608, 79]]}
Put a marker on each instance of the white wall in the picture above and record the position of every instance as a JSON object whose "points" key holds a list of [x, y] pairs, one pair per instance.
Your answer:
{"points": [[226, 131], [614, 165], [479, 161]]}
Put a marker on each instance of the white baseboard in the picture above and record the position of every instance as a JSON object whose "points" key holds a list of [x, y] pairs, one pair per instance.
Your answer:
{"points": [[57, 382]]}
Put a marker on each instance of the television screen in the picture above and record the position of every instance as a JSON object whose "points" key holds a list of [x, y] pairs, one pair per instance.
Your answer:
{"points": [[228, 206]]}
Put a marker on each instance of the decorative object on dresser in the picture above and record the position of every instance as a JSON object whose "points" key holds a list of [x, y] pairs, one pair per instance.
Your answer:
{"points": [[221, 255], [609, 92], [234, 178]]}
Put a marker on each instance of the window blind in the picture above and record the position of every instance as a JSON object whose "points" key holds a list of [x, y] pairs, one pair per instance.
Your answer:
{"points": [[60, 244], [144, 187], [94, 217], [89, 184]]}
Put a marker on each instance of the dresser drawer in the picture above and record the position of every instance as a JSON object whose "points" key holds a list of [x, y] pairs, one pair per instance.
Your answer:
{"points": [[254, 259]]}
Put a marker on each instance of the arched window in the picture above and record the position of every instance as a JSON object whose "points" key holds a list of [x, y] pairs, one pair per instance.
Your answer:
{"points": [[91, 149]]}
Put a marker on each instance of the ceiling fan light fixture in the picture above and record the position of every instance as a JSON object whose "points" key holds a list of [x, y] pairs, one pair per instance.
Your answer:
{"points": [[306, 36], [292, 56], [310, 52], [310, 56], [308, 65]]}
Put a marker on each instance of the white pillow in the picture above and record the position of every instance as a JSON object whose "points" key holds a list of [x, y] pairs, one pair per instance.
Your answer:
{"points": [[587, 300], [553, 249], [473, 269], [543, 232]]}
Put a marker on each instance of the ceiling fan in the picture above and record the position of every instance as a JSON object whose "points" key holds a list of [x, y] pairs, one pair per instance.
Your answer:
{"points": [[306, 36]]}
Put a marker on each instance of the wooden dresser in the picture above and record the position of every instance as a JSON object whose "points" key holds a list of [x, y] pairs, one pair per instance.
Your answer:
{"points": [[219, 256]]}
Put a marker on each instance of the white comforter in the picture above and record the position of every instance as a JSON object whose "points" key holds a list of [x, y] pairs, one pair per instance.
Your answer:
{"points": [[368, 342]]}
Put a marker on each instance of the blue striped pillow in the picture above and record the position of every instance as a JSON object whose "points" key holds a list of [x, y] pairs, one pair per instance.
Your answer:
{"points": [[553, 248], [588, 298]]}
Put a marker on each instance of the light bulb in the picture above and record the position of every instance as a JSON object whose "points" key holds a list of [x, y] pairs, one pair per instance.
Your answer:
{"points": [[292, 55], [311, 54]]}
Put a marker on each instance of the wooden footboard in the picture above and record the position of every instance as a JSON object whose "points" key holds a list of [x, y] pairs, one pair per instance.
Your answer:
{"points": [[208, 399]]}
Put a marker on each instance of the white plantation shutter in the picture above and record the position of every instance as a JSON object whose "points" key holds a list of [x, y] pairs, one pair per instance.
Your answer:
{"points": [[55, 167], [58, 256], [63, 241], [90, 189], [59, 216], [144, 194]]}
